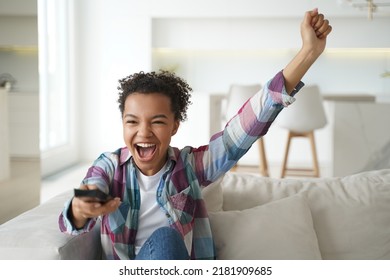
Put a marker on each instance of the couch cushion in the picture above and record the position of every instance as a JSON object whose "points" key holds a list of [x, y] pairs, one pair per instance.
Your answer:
{"points": [[280, 230], [35, 235], [351, 215], [212, 195]]}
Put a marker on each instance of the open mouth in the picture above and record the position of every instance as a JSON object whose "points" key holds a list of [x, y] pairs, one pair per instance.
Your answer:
{"points": [[145, 150]]}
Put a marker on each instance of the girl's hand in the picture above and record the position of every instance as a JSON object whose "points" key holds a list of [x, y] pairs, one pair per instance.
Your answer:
{"points": [[314, 31], [82, 210]]}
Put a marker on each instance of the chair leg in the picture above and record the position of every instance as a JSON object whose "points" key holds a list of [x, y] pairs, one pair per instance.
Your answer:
{"points": [[316, 169], [284, 165], [313, 172], [262, 157]]}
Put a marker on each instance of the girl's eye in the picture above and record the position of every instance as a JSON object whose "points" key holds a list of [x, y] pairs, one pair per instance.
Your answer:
{"points": [[158, 122], [131, 122]]}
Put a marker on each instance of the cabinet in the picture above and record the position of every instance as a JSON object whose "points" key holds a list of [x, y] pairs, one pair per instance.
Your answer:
{"points": [[19, 116], [19, 60], [4, 147], [359, 135]]}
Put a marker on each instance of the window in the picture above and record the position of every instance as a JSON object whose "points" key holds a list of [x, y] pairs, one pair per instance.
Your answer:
{"points": [[56, 129], [53, 72]]}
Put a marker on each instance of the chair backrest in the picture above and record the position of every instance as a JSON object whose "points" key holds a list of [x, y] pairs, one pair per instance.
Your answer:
{"points": [[306, 113], [237, 96]]}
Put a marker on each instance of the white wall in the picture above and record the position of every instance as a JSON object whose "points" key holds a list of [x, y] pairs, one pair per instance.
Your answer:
{"points": [[110, 45], [18, 30], [117, 38], [212, 53], [18, 7]]}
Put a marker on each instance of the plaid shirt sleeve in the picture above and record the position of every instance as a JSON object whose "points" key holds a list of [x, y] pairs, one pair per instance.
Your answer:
{"points": [[99, 175]]}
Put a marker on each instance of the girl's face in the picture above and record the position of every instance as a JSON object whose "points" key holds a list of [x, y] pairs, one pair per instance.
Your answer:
{"points": [[148, 125]]}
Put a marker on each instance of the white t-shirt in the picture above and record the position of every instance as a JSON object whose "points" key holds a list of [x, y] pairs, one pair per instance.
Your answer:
{"points": [[151, 216]]}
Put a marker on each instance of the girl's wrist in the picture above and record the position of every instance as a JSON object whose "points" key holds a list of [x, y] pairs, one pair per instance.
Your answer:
{"points": [[309, 54]]}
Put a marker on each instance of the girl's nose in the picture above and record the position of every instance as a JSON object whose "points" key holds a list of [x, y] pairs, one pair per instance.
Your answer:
{"points": [[145, 130]]}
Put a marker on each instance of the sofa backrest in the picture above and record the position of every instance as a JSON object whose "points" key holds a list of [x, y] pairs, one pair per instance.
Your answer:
{"points": [[351, 215]]}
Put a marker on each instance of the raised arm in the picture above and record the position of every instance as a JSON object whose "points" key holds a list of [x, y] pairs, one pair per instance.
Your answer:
{"points": [[314, 31]]}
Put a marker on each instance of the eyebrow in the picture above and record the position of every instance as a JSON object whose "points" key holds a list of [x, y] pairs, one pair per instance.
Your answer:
{"points": [[154, 117]]}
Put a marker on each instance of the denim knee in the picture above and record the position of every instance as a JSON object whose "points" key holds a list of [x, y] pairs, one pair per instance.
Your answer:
{"points": [[164, 244]]}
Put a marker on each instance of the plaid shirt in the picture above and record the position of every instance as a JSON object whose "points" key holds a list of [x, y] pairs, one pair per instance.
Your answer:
{"points": [[179, 190]]}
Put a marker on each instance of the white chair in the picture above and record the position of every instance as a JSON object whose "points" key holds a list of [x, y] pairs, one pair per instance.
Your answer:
{"points": [[237, 96], [301, 119]]}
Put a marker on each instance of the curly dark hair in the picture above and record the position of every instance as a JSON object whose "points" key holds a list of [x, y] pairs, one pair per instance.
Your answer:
{"points": [[164, 82]]}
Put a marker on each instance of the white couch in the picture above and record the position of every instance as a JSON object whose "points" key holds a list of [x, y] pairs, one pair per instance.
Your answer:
{"points": [[252, 217]]}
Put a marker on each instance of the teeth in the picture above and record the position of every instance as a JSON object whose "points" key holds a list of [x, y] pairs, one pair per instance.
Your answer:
{"points": [[146, 145]]}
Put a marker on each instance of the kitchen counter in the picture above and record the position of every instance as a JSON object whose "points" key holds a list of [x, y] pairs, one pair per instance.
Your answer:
{"points": [[349, 97], [359, 140]]}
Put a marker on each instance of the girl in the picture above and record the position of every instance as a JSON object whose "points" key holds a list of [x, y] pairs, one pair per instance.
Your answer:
{"points": [[157, 211]]}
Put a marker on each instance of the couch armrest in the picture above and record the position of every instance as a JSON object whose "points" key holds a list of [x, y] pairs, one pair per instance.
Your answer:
{"points": [[35, 235]]}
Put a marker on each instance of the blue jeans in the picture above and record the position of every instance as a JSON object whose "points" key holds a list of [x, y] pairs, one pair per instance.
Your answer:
{"points": [[164, 244]]}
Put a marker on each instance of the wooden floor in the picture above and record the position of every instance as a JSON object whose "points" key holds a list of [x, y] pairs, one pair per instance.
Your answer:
{"points": [[21, 191]]}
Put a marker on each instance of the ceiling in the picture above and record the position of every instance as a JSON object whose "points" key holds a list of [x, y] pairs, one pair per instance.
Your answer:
{"points": [[262, 8]]}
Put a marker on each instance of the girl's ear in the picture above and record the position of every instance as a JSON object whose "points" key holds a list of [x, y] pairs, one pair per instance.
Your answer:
{"points": [[176, 126]]}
